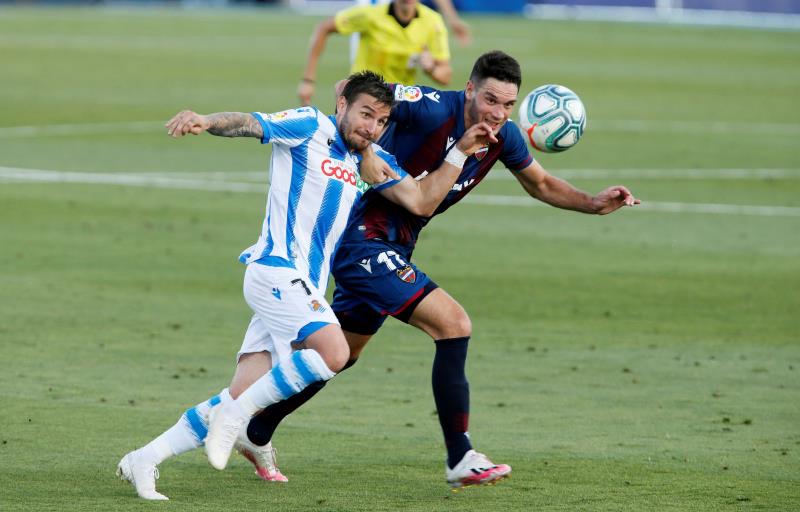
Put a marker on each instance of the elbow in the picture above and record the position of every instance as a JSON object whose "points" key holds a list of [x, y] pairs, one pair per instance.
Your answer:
{"points": [[444, 74], [423, 210]]}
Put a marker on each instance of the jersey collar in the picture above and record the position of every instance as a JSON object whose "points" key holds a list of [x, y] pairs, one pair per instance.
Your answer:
{"points": [[393, 15]]}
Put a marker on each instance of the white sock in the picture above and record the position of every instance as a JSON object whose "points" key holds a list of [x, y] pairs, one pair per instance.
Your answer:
{"points": [[187, 434], [284, 380]]}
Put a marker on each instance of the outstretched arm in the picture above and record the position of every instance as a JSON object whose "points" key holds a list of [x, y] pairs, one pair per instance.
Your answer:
{"points": [[554, 191], [223, 124], [318, 41], [422, 197]]}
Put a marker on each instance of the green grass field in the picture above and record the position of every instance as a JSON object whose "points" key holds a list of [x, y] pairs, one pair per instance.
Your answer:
{"points": [[648, 360]]}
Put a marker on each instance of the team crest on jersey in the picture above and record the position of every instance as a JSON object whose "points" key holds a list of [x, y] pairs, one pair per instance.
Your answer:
{"points": [[407, 274], [316, 307], [403, 93], [343, 172], [481, 153]]}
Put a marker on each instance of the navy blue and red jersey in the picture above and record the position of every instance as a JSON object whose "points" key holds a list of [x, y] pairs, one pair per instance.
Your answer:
{"points": [[425, 123]]}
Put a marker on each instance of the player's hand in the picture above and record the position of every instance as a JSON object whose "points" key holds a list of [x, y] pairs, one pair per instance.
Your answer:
{"points": [[462, 32], [425, 61], [476, 137], [374, 169], [304, 91], [613, 198], [185, 122]]}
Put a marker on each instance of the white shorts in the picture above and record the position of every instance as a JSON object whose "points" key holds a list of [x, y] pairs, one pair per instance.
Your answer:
{"points": [[287, 307]]}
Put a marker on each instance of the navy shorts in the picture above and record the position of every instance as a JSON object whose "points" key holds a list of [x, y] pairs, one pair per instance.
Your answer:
{"points": [[374, 280]]}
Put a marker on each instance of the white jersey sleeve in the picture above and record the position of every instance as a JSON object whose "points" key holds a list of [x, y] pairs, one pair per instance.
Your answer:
{"points": [[392, 161], [288, 127]]}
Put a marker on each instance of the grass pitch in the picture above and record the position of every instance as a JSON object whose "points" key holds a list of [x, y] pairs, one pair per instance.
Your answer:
{"points": [[648, 360]]}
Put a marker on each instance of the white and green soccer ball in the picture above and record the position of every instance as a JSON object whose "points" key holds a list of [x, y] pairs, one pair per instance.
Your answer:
{"points": [[553, 117]]}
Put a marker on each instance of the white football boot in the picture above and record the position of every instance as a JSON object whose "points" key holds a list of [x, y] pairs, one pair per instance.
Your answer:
{"points": [[262, 457], [475, 469], [141, 474], [224, 424]]}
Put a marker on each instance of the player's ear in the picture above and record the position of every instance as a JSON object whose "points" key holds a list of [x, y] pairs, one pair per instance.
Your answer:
{"points": [[341, 104], [469, 90]]}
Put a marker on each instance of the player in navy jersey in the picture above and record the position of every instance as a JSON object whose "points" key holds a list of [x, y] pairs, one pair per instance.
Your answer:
{"points": [[373, 271], [293, 339]]}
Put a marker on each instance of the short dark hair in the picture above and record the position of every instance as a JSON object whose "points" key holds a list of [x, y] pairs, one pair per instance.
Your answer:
{"points": [[368, 82], [498, 65]]}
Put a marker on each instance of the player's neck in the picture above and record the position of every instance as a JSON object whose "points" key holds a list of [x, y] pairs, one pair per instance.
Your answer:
{"points": [[403, 13]]}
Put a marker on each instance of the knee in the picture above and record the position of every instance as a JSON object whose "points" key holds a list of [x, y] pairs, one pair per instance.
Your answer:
{"points": [[457, 326], [336, 356]]}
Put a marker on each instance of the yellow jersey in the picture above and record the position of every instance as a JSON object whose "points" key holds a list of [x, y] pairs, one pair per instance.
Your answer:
{"points": [[388, 48]]}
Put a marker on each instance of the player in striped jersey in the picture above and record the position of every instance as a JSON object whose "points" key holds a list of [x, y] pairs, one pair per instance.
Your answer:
{"points": [[294, 339]]}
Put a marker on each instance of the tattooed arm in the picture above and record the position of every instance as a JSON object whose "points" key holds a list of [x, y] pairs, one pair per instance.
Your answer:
{"points": [[223, 124]]}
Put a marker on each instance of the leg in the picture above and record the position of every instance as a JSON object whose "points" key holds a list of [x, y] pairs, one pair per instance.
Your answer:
{"points": [[292, 322], [326, 352], [441, 317], [249, 369], [444, 320], [359, 323], [262, 426], [139, 467]]}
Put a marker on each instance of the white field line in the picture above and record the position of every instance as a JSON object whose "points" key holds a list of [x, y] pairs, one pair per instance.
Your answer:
{"points": [[47, 130], [718, 127], [712, 208], [138, 180], [128, 180], [714, 127], [663, 174], [501, 174]]}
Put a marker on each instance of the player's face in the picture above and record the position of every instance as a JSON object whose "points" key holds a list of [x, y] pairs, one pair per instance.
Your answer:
{"points": [[362, 121], [492, 102]]}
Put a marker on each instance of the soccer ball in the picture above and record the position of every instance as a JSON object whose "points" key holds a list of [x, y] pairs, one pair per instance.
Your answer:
{"points": [[553, 117]]}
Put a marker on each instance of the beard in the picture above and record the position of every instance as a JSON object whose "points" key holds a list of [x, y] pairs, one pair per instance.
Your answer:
{"points": [[347, 136]]}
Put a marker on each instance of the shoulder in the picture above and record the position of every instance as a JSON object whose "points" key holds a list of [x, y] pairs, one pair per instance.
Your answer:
{"points": [[515, 154], [354, 18], [289, 125], [510, 132], [292, 114], [425, 102], [425, 96], [429, 15]]}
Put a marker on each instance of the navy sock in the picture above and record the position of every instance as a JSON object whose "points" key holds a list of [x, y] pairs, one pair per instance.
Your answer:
{"points": [[262, 426], [451, 393]]}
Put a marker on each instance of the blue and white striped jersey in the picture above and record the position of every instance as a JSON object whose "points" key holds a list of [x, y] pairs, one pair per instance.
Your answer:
{"points": [[314, 182]]}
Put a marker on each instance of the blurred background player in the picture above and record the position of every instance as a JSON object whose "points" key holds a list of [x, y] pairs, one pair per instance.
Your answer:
{"points": [[373, 271], [293, 338], [395, 40], [445, 7]]}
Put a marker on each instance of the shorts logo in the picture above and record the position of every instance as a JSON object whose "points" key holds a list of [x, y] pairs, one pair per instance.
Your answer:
{"points": [[412, 94], [316, 307], [407, 274], [340, 171]]}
